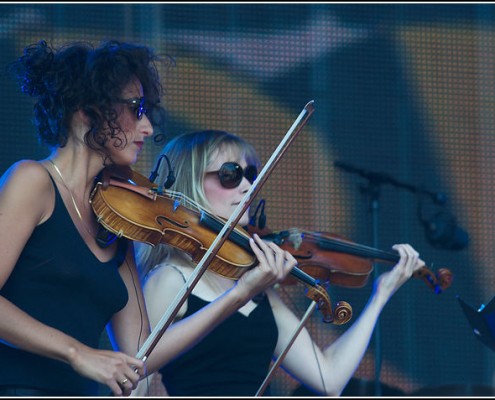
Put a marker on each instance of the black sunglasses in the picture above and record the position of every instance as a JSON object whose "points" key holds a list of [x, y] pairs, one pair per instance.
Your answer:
{"points": [[230, 174], [137, 105]]}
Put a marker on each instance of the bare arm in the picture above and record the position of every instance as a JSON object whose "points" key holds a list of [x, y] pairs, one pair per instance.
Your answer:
{"points": [[27, 200], [329, 371]]}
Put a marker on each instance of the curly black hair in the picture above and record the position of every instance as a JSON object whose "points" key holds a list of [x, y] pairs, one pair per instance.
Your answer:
{"points": [[79, 76]]}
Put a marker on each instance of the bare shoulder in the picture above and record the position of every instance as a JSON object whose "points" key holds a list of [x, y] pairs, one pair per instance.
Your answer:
{"points": [[167, 276], [26, 184], [26, 171], [162, 285]]}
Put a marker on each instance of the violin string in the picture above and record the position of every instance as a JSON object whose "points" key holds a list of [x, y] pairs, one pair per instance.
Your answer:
{"points": [[184, 200], [356, 249], [189, 203]]}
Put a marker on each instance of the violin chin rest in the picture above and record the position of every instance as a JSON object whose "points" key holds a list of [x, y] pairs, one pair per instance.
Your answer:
{"points": [[122, 172]]}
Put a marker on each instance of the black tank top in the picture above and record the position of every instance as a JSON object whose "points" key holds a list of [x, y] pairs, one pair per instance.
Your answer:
{"points": [[233, 360], [60, 282]]}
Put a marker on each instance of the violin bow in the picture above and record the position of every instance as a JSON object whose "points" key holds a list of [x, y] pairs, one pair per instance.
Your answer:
{"points": [[222, 236], [282, 355], [320, 299]]}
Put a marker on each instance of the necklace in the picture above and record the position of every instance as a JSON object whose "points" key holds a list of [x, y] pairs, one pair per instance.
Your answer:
{"points": [[72, 197]]}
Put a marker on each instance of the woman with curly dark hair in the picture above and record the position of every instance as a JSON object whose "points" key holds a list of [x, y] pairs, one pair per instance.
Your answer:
{"points": [[60, 283]]}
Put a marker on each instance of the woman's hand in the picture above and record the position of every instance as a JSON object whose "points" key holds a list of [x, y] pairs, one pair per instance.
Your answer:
{"points": [[409, 262], [274, 265], [119, 371]]}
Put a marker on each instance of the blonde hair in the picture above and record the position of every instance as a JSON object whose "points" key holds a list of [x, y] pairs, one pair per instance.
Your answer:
{"points": [[190, 154]]}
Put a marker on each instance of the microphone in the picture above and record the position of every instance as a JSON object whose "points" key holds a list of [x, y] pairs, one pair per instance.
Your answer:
{"points": [[262, 218], [442, 231], [170, 177]]}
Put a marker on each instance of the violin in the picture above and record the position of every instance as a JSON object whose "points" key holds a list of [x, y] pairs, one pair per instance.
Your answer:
{"points": [[152, 192], [129, 205], [338, 261]]}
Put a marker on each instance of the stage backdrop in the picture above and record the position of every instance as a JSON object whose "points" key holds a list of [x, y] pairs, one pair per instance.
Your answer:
{"points": [[403, 93]]}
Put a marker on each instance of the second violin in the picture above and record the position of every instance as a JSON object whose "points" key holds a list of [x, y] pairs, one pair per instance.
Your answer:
{"points": [[341, 262]]}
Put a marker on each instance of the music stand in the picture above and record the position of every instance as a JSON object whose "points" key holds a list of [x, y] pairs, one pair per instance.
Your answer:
{"points": [[482, 321]]}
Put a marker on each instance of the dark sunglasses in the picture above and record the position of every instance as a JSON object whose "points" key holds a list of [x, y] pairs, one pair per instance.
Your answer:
{"points": [[230, 174], [137, 105]]}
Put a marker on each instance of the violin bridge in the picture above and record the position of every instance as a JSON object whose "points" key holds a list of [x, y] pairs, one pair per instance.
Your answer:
{"points": [[176, 204], [295, 237]]}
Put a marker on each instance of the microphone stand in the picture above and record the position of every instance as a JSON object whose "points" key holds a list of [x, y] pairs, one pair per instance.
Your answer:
{"points": [[378, 177], [372, 190]]}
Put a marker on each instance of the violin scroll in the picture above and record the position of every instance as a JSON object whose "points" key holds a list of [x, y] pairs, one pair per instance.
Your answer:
{"points": [[439, 281], [342, 313]]}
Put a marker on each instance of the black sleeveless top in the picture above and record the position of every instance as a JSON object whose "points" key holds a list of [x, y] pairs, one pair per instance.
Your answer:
{"points": [[232, 360], [60, 282]]}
